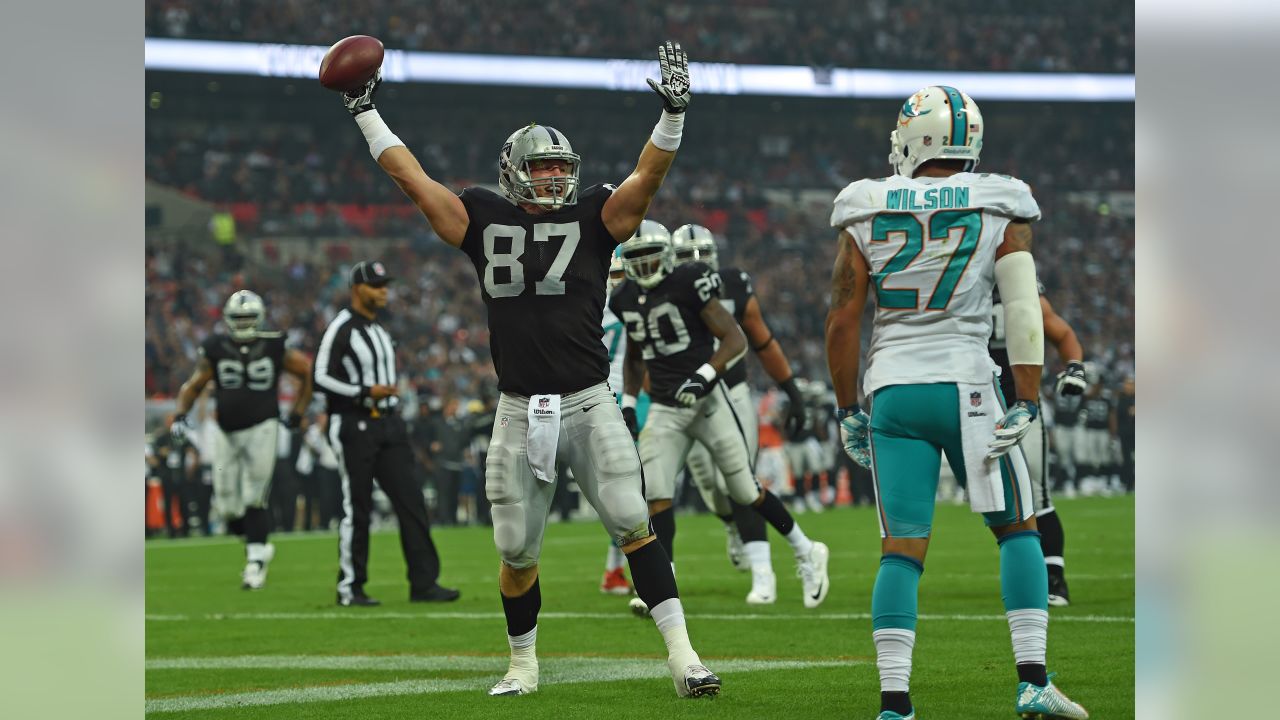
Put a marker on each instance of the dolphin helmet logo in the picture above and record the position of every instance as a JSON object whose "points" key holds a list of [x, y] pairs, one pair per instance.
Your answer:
{"points": [[911, 109]]}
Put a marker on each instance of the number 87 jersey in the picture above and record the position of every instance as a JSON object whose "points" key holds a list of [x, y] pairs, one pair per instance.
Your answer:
{"points": [[930, 243]]}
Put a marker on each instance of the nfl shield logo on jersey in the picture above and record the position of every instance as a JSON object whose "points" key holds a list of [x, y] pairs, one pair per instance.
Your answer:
{"points": [[975, 399], [543, 403], [504, 421]]}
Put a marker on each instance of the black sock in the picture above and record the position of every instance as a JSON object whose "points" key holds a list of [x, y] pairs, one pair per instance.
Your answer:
{"points": [[772, 510], [1052, 539], [236, 527], [1033, 673], [751, 525], [651, 574], [726, 519], [899, 702], [522, 612], [257, 524], [664, 526]]}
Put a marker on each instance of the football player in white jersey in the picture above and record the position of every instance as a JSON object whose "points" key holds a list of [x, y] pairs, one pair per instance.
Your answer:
{"points": [[932, 241]]}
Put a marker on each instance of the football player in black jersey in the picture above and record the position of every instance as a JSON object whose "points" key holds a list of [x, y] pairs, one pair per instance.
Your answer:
{"points": [[748, 545], [541, 248], [245, 366], [680, 332], [1070, 384]]}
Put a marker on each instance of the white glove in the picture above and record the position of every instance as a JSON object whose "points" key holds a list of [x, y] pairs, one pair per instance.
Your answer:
{"points": [[1071, 381], [1012, 427], [855, 434], [181, 428]]}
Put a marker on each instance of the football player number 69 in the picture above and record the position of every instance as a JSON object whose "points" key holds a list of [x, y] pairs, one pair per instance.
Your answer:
{"points": [[553, 283]]}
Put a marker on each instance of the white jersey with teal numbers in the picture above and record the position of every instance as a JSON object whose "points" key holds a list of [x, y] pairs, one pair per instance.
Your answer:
{"points": [[615, 341], [931, 246]]}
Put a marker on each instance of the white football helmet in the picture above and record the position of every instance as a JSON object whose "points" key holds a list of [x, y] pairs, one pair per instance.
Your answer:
{"points": [[694, 243], [937, 123], [528, 144], [646, 256], [616, 273], [243, 314]]}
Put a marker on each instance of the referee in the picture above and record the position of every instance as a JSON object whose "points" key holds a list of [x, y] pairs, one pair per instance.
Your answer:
{"points": [[355, 368]]}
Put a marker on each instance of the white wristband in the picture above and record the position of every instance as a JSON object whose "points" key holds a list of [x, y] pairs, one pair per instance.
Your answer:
{"points": [[706, 372], [628, 401], [666, 134], [376, 133]]}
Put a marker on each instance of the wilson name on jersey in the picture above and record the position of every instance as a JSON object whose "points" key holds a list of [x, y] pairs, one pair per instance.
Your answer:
{"points": [[930, 243], [246, 377], [666, 324], [997, 347], [735, 291], [542, 278]]}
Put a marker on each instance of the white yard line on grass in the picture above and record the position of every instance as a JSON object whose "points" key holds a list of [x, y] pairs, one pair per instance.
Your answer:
{"points": [[427, 616], [559, 671]]}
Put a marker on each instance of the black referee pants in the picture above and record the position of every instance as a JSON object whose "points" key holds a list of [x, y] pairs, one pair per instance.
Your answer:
{"points": [[378, 448]]}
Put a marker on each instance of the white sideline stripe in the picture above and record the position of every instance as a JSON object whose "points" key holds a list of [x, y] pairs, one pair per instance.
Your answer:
{"points": [[357, 615], [552, 671]]}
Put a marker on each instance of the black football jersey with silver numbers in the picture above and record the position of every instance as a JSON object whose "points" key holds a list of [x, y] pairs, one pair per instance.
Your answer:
{"points": [[542, 279], [1097, 411], [996, 345], [246, 378], [665, 322], [1067, 409], [735, 291]]}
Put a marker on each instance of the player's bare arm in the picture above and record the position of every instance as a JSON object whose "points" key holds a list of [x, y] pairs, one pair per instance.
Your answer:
{"points": [[733, 344], [849, 281], [192, 388], [624, 210], [633, 370], [442, 208], [1058, 332], [761, 340], [1026, 377], [627, 206], [297, 365]]}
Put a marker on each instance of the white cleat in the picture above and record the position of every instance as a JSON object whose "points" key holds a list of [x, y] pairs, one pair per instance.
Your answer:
{"points": [[813, 574], [764, 587], [513, 686], [638, 608], [694, 680], [254, 575], [733, 546]]}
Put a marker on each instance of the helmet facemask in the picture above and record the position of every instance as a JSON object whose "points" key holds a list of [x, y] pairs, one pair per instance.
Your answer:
{"points": [[243, 315], [694, 243], [515, 168], [647, 256]]}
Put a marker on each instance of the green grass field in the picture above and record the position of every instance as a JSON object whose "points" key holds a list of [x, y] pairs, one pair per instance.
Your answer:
{"points": [[215, 651]]}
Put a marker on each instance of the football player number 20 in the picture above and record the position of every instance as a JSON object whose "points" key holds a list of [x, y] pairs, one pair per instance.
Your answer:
{"points": [[944, 226], [638, 330], [552, 283]]}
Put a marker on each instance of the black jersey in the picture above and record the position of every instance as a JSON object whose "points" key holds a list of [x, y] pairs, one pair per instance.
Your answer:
{"points": [[1066, 410], [1097, 412], [246, 377], [996, 345], [735, 291], [542, 278], [666, 323]]}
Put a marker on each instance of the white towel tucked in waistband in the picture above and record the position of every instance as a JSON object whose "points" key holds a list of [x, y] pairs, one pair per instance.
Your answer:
{"points": [[979, 413], [544, 435]]}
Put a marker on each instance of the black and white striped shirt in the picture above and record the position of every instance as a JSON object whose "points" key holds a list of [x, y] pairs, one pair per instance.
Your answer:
{"points": [[355, 354]]}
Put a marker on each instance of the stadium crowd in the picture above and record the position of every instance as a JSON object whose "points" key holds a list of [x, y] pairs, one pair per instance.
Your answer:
{"points": [[976, 35]]}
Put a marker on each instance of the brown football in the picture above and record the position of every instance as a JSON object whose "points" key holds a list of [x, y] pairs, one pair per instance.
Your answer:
{"points": [[351, 62]]}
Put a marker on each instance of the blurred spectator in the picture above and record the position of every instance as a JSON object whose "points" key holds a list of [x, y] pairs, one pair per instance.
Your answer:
{"points": [[1081, 36]]}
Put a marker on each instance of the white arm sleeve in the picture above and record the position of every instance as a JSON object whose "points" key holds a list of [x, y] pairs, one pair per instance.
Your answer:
{"points": [[1023, 319]]}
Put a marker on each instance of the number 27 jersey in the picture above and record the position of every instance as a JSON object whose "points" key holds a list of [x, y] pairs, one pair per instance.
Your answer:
{"points": [[542, 278], [930, 243]]}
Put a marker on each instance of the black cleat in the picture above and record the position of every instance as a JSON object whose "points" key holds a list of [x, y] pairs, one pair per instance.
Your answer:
{"points": [[360, 600], [1058, 595], [436, 593]]}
